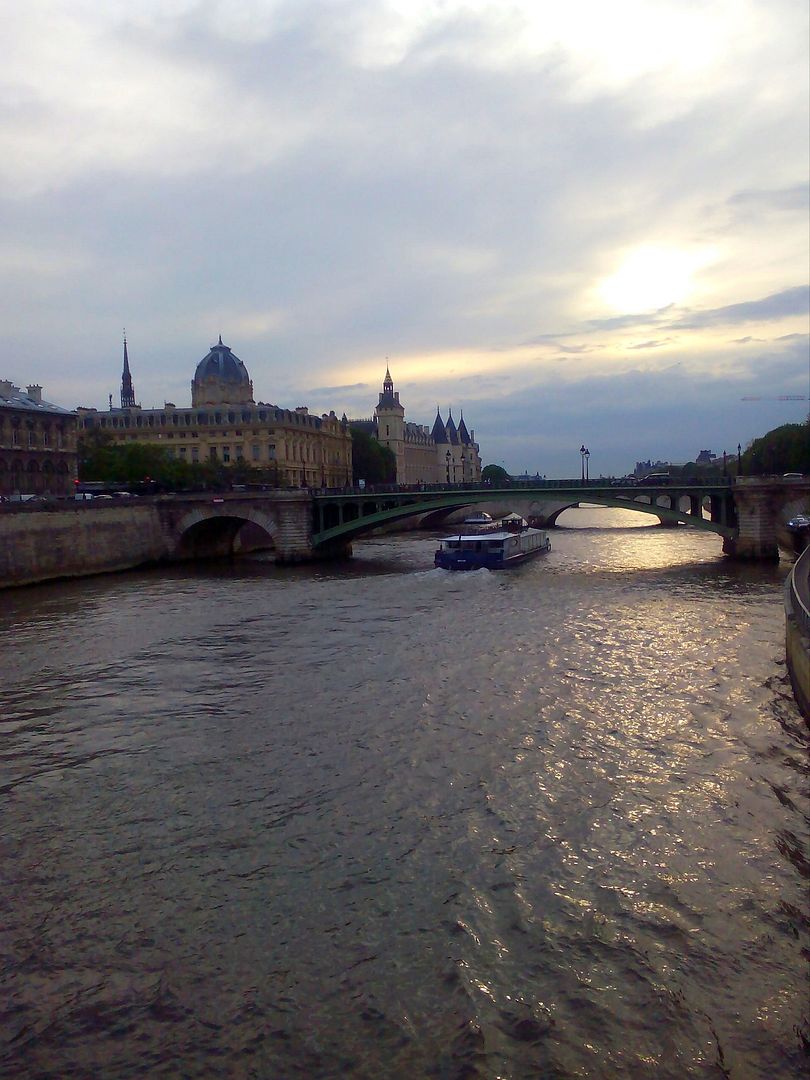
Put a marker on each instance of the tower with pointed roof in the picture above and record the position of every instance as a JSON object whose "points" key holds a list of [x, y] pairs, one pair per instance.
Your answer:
{"points": [[424, 455], [127, 389], [390, 417]]}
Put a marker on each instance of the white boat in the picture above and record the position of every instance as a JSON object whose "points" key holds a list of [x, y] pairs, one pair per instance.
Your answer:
{"points": [[479, 523], [512, 543]]}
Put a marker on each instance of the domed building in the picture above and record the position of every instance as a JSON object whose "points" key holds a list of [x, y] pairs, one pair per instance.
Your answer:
{"points": [[221, 379], [290, 447]]}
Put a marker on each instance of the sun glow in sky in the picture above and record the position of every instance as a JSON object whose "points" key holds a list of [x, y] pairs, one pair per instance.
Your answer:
{"points": [[651, 278], [579, 223]]}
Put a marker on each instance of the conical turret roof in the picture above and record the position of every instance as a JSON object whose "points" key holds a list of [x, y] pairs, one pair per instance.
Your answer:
{"points": [[452, 432], [439, 433], [463, 434]]}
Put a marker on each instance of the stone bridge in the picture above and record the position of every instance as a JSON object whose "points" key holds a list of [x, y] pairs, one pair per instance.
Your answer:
{"points": [[68, 540]]}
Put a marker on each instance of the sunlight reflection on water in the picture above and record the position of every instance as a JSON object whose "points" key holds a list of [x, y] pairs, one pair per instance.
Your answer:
{"points": [[403, 822]]}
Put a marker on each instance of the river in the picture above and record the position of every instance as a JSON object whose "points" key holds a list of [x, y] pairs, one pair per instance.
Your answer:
{"points": [[379, 820]]}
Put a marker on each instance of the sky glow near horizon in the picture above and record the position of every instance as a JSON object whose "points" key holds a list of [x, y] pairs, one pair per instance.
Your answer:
{"points": [[578, 225]]}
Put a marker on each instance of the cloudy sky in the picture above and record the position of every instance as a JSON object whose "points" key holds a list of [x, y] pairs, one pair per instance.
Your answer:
{"points": [[579, 222]]}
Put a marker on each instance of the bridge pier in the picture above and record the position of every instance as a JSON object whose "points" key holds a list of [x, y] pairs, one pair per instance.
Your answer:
{"points": [[758, 503]]}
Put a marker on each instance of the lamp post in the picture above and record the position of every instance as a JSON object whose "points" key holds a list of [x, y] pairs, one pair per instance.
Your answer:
{"points": [[587, 457], [739, 459], [584, 454], [725, 473], [463, 465], [447, 460]]}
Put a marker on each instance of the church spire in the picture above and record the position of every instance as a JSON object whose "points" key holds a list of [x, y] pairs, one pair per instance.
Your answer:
{"points": [[127, 391]]}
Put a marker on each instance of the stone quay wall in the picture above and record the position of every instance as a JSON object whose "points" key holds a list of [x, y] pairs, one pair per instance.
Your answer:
{"points": [[40, 545]]}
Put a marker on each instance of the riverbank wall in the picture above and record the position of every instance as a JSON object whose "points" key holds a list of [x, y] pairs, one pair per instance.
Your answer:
{"points": [[42, 545]]}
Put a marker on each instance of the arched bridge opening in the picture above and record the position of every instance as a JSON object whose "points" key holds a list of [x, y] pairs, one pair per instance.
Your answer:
{"points": [[222, 535]]}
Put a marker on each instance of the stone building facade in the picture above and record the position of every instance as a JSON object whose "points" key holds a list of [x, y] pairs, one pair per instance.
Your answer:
{"points": [[226, 425], [443, 454], [37, 444]]}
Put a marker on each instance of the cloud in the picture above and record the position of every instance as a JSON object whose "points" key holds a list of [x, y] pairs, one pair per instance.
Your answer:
{"points": [[330, 183], [793, 301], [651, 344]]}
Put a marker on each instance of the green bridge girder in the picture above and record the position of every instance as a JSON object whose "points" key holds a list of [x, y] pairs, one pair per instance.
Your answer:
{"points": [[362, 512]]}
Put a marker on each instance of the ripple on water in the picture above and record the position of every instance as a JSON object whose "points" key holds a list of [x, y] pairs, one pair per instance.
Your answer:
{"points": [[401, 822]]}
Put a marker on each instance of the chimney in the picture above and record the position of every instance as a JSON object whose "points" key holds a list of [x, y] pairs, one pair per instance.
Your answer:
{"points": [[35, 393]]}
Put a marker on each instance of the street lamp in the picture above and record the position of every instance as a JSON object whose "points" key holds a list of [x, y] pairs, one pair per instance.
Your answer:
{"points": [[447, 459], [582, 463], [463, 463], [725, 472], [739, 459], [584, 454]]}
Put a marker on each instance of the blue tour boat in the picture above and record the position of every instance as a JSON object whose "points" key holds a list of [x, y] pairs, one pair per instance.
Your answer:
{"points": [[514, 542]]}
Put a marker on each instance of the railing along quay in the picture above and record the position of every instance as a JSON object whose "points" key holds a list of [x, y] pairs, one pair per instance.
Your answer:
{"points": [[797, 630]]}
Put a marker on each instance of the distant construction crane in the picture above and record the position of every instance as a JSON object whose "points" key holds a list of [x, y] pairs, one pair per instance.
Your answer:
{"points": [[779, 397]]}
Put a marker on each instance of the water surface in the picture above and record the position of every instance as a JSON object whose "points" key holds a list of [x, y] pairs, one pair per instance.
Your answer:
{"points": [[380, 820]]}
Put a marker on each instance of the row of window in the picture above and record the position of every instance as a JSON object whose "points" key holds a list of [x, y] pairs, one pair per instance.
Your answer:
{"points": [[226, 454], [15, 465], [188, 419], [32, 440]]}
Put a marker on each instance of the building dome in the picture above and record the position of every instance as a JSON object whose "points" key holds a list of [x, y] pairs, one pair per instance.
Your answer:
{"points": [[221, 379]]}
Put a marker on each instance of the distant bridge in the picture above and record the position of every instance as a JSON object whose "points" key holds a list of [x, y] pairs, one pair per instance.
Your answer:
{"points": [[339, 517]]}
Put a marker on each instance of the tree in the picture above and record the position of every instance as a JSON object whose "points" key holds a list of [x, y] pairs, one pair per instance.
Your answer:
{"points": [[784, 449], [495, 474], [371, 461]]}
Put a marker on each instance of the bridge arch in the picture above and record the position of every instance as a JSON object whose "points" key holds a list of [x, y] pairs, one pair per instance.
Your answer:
{"points": [[386, 508], [213, 533]]}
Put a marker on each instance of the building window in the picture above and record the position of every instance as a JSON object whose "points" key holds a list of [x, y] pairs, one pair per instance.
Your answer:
{"points": [[239, 453], [255, 451], [226, 453]]}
